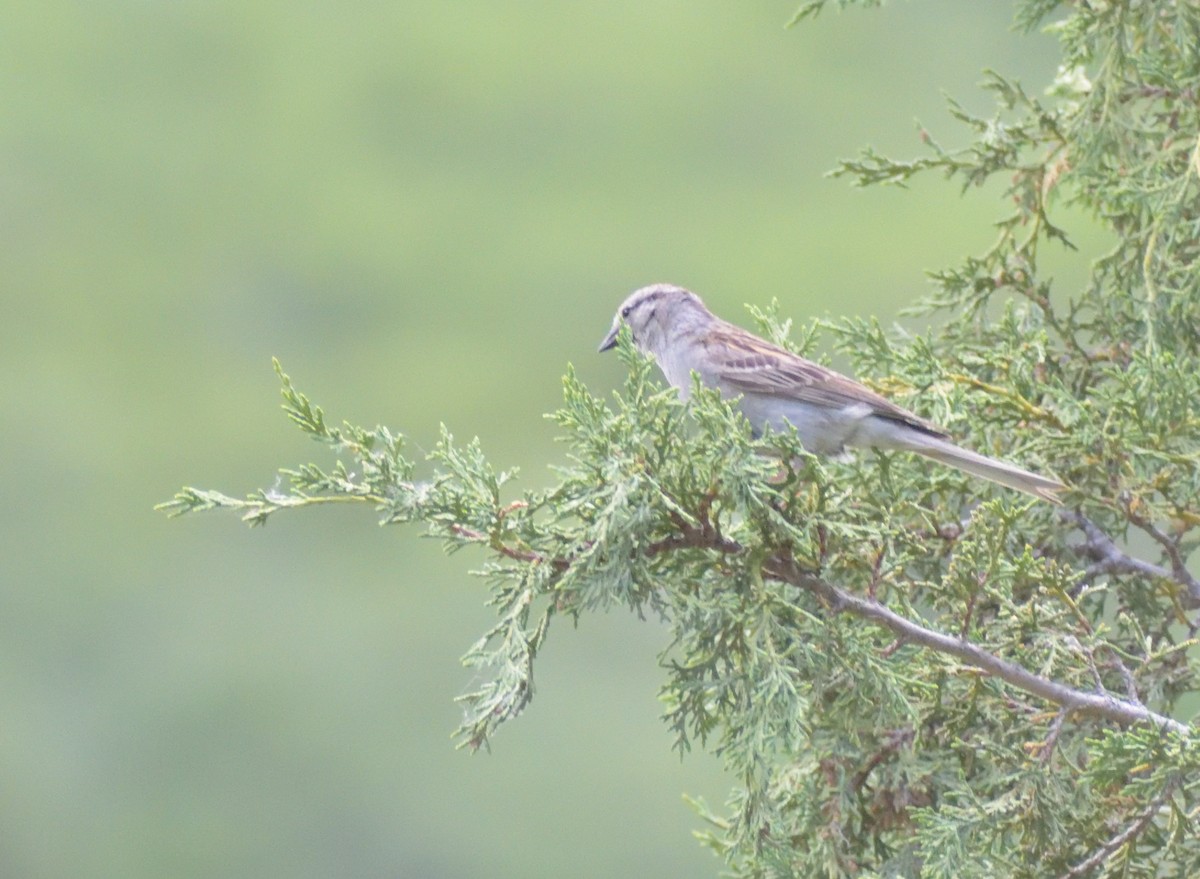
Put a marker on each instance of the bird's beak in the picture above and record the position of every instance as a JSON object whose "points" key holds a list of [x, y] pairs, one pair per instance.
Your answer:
{"points": [[610, 341]]}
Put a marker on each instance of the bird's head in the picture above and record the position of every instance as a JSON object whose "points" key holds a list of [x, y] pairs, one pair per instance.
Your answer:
{"points": [[653, 314]]}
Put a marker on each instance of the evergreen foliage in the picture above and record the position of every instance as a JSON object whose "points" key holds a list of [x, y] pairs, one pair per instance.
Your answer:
{"points": [[909, 672]]}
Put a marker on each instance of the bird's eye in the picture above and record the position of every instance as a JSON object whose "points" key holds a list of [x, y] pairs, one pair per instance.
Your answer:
{"points": [[625, 311]]}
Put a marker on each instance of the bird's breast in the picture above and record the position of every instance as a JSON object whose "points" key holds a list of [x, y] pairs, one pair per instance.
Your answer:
{"points": [[678, 365]]}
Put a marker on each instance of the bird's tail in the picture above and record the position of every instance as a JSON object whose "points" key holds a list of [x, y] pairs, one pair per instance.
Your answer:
{"points": [[989, 468]]}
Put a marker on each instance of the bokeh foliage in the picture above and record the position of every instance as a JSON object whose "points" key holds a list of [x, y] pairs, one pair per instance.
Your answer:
{"points": [[862, 747], [425, 211]]}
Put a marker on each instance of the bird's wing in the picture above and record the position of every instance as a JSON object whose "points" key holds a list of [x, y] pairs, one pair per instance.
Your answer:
{"points": [[746, 364]]}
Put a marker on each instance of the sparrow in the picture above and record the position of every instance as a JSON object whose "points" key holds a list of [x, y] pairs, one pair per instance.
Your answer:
{"points": [[775, 388]]}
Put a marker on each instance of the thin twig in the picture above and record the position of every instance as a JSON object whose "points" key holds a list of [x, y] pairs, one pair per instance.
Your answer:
{"points": [[704, 535], [1046, 751], [1171, 548], [1125, 836], [1089, 658], [1127, 678], [895, 741], [1111, 559], [782, 566], [510, 552], [695, 538]]}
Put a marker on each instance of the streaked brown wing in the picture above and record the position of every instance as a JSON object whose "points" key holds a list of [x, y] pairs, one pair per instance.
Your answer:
{"points": [[750, 365]]}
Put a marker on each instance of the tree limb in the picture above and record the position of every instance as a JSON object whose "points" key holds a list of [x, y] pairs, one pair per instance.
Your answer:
{"points": [[1111, 559], [782, 566], [1130, 833], [1105, 705]]}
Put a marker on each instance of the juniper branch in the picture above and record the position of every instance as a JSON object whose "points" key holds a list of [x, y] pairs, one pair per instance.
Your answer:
{"points": [[1110, 558], [1130, 833], [1122, 711], [1179, 571]]}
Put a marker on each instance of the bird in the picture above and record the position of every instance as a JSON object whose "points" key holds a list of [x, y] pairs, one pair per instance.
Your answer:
{"points": [[775, 388]]}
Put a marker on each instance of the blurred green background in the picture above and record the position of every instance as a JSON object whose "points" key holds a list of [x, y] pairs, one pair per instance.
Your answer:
{"points": [[425, 211]]}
